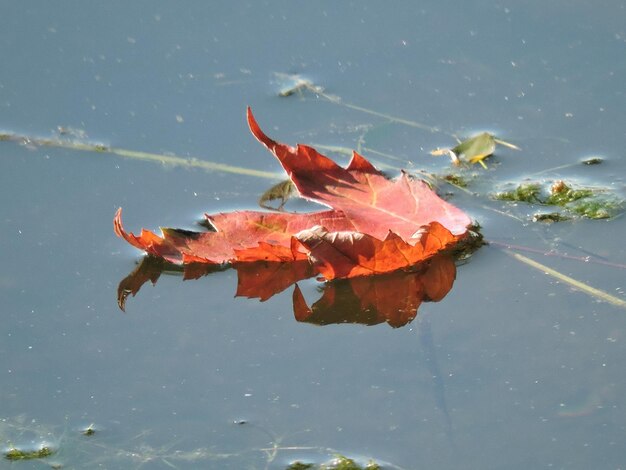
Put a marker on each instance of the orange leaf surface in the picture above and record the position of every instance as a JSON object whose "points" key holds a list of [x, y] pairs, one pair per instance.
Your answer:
{"points": [[244, 236], [352, 254]]}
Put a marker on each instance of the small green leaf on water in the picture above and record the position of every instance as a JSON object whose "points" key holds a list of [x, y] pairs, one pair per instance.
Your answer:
{"points": [[474, 150], [282, 191]]}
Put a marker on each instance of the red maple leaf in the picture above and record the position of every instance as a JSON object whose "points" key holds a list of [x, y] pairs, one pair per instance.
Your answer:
{"points": [[239, 236], [374, 204], [375, 225]]}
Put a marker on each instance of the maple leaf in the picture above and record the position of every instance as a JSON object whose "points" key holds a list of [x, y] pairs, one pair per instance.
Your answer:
{"points": [[375, 225]]}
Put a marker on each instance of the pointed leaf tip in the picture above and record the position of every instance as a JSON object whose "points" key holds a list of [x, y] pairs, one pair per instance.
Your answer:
{"points": [[257, 132], [117, 222], [360, 163]]}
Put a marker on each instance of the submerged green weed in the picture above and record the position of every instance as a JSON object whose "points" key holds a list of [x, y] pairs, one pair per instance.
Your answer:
{"points": [[576, 202], [529, 192], [596, 208], [15, 453], [457, 180], [562, 194], [340, 462], [300, 466], [550, 217]]}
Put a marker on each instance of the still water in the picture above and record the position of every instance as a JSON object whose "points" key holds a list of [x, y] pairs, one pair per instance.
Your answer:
{"points": [[512, 369]]}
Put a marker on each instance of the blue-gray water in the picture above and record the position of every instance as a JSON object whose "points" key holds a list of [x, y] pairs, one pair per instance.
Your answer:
{"points": [[514, 368]]}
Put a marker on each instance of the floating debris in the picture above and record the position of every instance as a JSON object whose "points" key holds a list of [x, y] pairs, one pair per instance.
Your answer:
{"points": [[474, 150], [297, 465], [283, 191], [290, 84], [339, 462], [550, 217], [456, 180], [593, 161], [89, 430]]}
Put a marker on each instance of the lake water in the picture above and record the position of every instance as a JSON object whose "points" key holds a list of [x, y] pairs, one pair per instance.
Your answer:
{"points": [[512, 369]]}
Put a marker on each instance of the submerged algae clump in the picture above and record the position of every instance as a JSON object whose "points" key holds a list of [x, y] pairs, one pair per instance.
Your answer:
{"points": [[528, 192], [597, 208], [562, 194], [297, 465], [340, 462], [344, 463], [457, 180], [590, 203], [28, 454], [550, 217]]}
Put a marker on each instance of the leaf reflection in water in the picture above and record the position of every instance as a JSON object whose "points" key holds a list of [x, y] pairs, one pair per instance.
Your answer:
{"points": [[392, 298]]}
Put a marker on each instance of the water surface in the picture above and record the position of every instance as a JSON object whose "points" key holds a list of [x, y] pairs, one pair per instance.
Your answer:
{"points": [[513, 369]]}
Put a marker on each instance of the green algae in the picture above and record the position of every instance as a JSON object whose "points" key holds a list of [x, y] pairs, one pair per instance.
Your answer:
{"points": [[300, 466], [526, 192], [339, 462], [15, 453], [562, 194], [457, 180], [597, 208], [575, 202], [550, 217]]}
